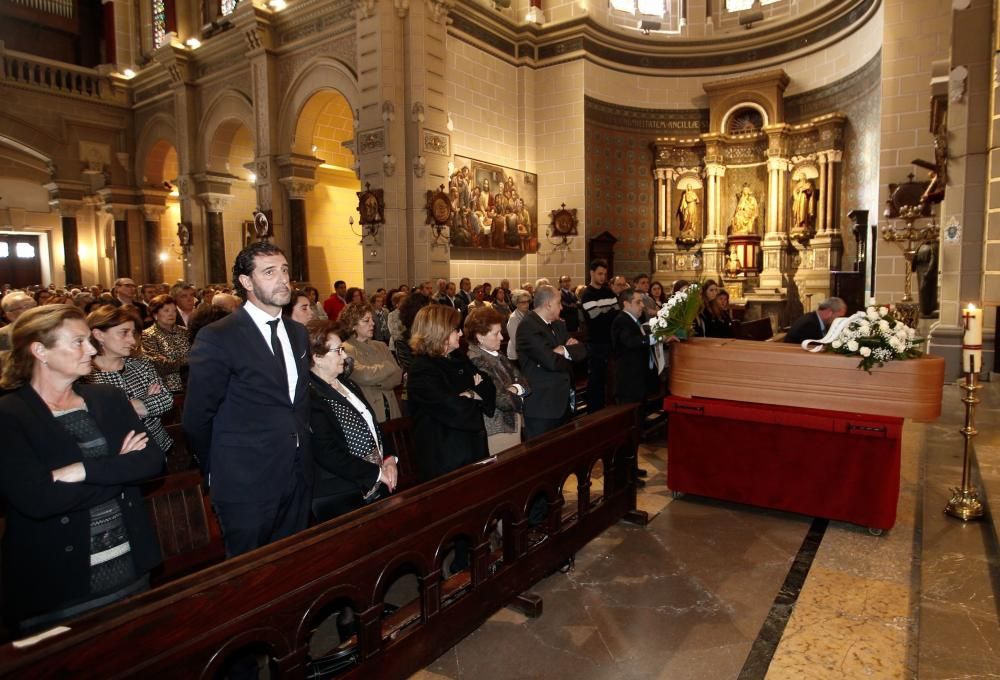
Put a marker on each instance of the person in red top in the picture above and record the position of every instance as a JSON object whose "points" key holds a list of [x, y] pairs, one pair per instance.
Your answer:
{"points": [[334, 304]]}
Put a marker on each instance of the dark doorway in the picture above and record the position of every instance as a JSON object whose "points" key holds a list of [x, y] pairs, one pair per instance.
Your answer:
{"points": [[20, 260]]}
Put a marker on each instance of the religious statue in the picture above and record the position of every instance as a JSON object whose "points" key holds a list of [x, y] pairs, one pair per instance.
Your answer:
{"points": [[925, 264], [745, 217], [803, 206], [689, 214]]}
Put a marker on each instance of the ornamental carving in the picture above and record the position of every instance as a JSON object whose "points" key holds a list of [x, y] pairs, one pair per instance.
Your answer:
{"points": [[370, 141], [437, 142]]}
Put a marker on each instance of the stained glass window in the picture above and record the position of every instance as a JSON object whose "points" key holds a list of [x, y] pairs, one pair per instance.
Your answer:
{"points": [[227, 7], [159, 23]]}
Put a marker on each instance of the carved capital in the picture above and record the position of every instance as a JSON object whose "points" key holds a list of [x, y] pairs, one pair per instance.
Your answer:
{"points": [[715, 170], [439, 9], [152, 213], [297, 187], [402, 8], [215, 202], [778, 164]]}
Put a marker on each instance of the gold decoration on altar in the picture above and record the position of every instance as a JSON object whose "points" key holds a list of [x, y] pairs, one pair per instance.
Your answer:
{"points": [[905, 202]]}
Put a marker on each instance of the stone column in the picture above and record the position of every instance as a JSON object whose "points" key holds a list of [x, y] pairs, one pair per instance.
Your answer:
{"points": [[298, 177], [662, 228], [71, 244], [215, 204], [715, 231], [151, 239], [297, 188], [776, 237]]}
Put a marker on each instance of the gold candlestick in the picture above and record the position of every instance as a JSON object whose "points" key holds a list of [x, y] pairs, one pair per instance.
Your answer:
{"points": [[965, 503]]}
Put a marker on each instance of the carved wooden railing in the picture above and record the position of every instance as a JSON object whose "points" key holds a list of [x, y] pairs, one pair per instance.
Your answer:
{"points": [[27, 70], [272, 600]]}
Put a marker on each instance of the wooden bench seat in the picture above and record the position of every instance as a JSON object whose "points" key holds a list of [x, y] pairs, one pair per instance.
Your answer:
{"points": [[272, 600]]}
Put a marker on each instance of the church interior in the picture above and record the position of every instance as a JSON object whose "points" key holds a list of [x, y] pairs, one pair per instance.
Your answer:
{"points": [[791, 150]]}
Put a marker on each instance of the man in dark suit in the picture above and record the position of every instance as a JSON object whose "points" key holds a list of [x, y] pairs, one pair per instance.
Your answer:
{"points": [[126, 293], [631, 347], [546, 354], [247, 413], [814, 325]]}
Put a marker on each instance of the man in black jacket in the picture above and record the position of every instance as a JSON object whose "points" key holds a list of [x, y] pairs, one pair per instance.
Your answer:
{"points": [[631, 346], [546, 354], [814, 325], [247, 409]]}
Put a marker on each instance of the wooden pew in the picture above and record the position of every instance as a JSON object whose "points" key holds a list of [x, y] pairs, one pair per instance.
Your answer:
{"points": [[273, 599]]}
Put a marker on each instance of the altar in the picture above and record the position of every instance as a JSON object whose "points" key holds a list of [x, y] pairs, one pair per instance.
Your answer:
{"points": [[772, 425]]}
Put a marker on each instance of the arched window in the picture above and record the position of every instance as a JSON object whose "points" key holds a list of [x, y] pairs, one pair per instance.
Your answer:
{"points": [[164, 21], [661, 16], [744, 5]]}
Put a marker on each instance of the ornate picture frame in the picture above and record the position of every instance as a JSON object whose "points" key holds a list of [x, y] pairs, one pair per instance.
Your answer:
{"points": [[439, 209], [371, 205]]}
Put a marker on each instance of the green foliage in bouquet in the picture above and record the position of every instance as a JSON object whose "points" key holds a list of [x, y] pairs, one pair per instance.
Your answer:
{"points": [[678, 314], [877, 336]]}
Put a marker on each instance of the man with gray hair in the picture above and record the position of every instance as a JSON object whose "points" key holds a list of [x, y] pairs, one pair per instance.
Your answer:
{"points": [[14, 305], [813, 326], [546, 353]]}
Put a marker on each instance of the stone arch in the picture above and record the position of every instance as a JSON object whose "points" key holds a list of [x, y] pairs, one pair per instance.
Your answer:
{"points": [[321, 74], [26, 137], [157, 132], [22, 161], [748, 101], [229, 111]]}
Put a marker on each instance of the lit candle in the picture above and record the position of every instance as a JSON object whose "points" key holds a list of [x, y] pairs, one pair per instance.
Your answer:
{"points": [[972, 341]]}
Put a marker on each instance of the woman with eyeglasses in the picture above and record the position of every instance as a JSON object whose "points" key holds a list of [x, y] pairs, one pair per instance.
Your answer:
{"points": [[375, 369], [448, 396], [350, 465]]}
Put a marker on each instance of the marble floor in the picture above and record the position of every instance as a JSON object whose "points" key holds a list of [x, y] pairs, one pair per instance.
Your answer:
{"points": [[718, 590]]}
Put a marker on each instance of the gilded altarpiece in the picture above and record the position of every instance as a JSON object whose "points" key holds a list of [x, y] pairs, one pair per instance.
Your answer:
{"points": [[753, 202]]}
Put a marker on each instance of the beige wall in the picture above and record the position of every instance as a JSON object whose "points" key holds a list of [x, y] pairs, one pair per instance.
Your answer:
{"points": [[916, 34], [334, 252]]}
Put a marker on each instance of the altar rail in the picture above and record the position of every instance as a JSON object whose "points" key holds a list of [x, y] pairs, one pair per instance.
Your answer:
{"points": [[38, 73], [271, 601]]}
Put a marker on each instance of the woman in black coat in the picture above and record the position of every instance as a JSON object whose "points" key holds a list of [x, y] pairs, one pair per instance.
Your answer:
{"points": [[347, 444], [78, 535], [448, 396]]}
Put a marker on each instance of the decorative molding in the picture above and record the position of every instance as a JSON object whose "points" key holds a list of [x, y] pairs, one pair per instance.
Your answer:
{"points": [[436, 142], [582, 39], [297, 187], [677, 121], [439, 9], [371, 141]]}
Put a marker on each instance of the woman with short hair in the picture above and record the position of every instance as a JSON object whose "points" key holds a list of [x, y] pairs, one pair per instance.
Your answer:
{"points": [[483, 331], [448, 396], [78, 536], [348, 449], [114, 331], [166, 344]]}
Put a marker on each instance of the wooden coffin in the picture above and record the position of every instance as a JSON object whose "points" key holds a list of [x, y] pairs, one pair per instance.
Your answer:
{"points": [[786, 374]]}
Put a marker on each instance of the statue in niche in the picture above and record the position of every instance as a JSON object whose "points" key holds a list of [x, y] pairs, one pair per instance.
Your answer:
{"points": [[925, 264], [689, 214], [803, 205], [747, 211]]}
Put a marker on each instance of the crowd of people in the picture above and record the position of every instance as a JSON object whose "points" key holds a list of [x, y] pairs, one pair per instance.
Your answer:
{"points": [[282, 396]]}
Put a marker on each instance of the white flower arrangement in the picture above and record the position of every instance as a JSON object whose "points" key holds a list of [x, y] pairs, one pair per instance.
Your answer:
{"points": [[677, 315], [877, 336]]}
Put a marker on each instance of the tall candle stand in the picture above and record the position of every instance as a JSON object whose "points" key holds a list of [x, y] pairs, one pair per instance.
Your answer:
{"points": [[965, 503]]}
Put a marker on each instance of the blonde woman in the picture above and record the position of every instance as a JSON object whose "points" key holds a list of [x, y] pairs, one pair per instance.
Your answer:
{"points": [[375, 370]]}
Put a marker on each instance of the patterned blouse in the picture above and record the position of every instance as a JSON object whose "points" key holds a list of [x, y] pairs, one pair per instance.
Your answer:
{"points": [[134, 379], [168, 351]]}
